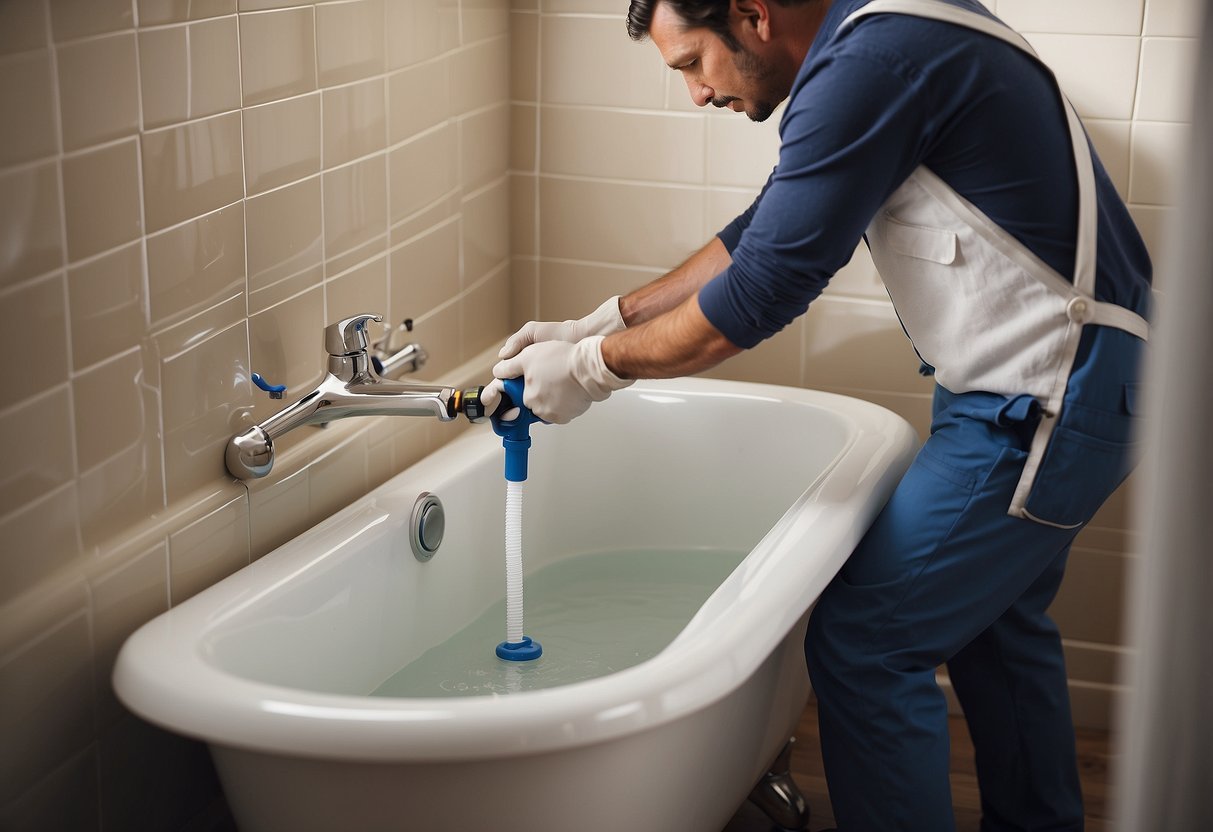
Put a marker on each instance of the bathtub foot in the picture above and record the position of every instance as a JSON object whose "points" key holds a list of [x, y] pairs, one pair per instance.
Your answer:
{"points": [[778, 796]]}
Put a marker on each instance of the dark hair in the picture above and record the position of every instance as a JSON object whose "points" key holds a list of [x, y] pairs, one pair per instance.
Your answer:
{"points": [[709, 14]]}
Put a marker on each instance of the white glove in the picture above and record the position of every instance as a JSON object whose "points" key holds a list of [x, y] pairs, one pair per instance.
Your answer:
{"points": [[561, 379], [602, 321]]}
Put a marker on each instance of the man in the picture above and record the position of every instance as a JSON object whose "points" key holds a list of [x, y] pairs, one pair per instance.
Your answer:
{"points": [[930, 130]]}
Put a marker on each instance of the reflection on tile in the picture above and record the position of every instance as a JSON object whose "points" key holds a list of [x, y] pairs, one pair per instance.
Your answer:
{"points": [[277, 54], [30, 212], [355, 206], [110, 413], [281, 142], [47, 527], [349, 41], [106, 299], [192, 169], [354, 122], [101, 199], [37, 460], [27, 114], [283, 233], [164, 76], [206, 394], [77, 18], [425, 272], [214, 67], [196, 265], [209, 550], [98, 90], [34, 314]]}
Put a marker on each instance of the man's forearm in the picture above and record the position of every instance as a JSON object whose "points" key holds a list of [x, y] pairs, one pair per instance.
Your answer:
{"points": [[672, 289], [679, 343]]}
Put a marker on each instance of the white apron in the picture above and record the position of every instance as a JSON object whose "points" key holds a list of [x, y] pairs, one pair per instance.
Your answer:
{"points": [[979, 306]]}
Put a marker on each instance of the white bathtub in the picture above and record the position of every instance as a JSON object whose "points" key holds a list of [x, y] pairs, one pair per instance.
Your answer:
{"points": [[272, 666]]}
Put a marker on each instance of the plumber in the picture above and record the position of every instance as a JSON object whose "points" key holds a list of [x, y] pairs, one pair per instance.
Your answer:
{"points": [[932, 131]]}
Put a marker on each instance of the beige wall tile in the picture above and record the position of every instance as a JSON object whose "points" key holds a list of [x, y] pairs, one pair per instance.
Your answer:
{"points": [[261, 5], [176, 11], [640, 225], [278, 512], [355, 122], [286, 345], [107, 302], [486, 232], [722, 206], [27, 108], [23, 26], [657, 147], [1088, 605], [1156, 177], [859, 344], [64, 799], [439, 332], [31, 210], [98, 90], [435, 213], [164, 75], [486, 313], [196, 265], [480, 75], [349, 41], [214, 67], [337, 478], [1157, 225], [281, 142], [524, 132], [109, 409], [524, 291], [191, 170], [481, 161], [355, 208], [277, 54], [418, 99], [46, 705], [1087, 17], [425, 272], [484, 19], [124, 598], [1176, 18], [571, 290], [36, 459], [101, 199], [361, 289], [524, 56], [48, 527], [206, 398], [1111, 141], [77, 18], [422, 171], [858, 278], [34, 314], [776, 360], [1168, 75], [208, 550], [740, 152], [284, 233], [420, 29], [625, 74]]}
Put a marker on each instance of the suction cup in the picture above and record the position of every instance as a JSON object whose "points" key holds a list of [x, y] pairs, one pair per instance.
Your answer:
{"points": [[520, 651]]}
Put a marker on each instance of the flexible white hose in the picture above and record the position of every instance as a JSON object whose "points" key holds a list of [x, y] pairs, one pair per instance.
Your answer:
{"points": [[513, 562]]}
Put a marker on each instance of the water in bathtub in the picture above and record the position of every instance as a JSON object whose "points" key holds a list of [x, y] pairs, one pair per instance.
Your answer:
{"points": [[595, 614]]}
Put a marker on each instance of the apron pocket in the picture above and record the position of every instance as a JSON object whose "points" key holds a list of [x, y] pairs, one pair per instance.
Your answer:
{"points": [[1078, 473]]}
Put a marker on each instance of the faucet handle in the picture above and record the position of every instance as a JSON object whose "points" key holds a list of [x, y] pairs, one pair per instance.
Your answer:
{"points": [[348, 337]]}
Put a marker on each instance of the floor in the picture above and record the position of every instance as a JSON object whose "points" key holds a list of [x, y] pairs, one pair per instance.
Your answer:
{"points": [[1093, 759]]}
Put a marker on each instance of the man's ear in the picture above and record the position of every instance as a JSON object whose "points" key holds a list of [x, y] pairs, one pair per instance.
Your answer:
{"points": [[754, 14]]}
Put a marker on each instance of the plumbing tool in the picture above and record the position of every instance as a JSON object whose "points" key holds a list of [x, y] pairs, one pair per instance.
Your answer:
{"points": [[515, 433]]}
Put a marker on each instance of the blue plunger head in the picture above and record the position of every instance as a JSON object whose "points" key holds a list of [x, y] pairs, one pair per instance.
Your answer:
{"points": [[515, 436], [515, 433]]}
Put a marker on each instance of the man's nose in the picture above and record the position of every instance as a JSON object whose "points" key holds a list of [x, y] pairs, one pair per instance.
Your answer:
{"points": [[701, 94]]}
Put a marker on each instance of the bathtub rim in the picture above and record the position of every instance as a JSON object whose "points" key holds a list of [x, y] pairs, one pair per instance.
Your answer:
{"points": [[690, 674]]}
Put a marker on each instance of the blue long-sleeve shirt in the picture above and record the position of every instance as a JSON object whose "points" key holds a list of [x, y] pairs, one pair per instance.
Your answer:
{"points": [[869, 107]]}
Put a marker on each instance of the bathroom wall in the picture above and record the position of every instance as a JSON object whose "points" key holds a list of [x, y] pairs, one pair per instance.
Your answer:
{"points": [[616, 177], [189, 191]]}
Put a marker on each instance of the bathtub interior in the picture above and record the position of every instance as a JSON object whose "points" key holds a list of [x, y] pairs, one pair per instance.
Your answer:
{"points": [[344, 606]]}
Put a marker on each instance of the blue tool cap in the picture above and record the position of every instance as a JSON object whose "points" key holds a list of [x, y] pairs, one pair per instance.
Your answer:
{"points": [[515, 433]]}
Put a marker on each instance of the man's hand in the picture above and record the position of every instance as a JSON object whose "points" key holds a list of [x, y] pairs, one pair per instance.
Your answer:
{"points": [[561, 379], [604, 320]]}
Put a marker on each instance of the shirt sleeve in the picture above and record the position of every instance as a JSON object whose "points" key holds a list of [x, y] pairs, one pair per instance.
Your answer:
{"points": [[855, 128]]}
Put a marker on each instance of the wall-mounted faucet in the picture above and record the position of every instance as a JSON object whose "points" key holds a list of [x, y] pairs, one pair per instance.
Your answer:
{"points": [[393, 361], [351, 387]]}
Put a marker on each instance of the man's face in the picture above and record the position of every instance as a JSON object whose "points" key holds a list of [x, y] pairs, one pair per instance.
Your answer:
{"points": [[742, 80]]}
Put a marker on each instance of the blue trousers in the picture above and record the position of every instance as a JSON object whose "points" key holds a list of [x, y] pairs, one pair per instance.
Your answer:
{"points": [[944, 575]]}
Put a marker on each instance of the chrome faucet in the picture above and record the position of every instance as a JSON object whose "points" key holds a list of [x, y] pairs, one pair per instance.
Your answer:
{"points": [[391, 361], [351, 387]]}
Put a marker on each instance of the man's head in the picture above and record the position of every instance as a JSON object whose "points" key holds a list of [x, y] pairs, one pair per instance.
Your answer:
{"points": [[741, 54]]}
